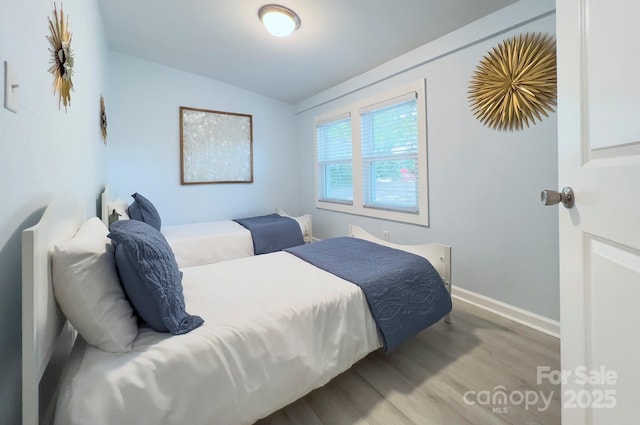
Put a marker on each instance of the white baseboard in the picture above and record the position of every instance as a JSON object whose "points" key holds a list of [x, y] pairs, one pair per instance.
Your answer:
{"points": [[524, 317]]}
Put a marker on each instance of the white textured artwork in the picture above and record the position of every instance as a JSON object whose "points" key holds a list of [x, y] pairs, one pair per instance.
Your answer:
{"points": [[216, 147]]}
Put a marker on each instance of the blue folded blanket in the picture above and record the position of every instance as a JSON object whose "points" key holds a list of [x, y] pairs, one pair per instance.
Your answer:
{"points": [[404, 291], [273, 232]]}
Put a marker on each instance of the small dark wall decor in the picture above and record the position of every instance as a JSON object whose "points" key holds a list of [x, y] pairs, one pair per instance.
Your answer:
{"points": [[215, 147], [515, 83], [103, 120]]}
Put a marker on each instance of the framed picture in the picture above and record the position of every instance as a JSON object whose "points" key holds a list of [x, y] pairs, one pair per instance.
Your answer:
{"points": [[215, 147]]}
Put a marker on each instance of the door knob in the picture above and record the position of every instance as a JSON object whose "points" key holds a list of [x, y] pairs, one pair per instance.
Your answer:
{"points": [[551, 197]]}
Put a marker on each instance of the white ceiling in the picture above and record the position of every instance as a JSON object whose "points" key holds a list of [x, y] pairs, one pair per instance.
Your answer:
{"points": [[338, 39]]}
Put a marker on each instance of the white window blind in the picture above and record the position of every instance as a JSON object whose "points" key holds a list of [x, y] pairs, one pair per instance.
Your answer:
{"points": [[389, 137], [335, 176]]}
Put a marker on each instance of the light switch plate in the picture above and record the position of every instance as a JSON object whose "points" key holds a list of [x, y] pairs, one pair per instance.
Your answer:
{"points": [[10, 89]]}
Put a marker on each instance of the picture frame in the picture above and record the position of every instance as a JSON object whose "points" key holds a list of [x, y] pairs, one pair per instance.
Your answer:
{"points": [[215, 147]]}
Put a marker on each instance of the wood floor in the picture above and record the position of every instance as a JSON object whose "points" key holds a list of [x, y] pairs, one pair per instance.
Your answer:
{"points": [[424, 381]]}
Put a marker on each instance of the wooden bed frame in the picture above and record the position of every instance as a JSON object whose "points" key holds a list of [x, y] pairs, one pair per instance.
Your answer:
{"points": [[47, 336]]}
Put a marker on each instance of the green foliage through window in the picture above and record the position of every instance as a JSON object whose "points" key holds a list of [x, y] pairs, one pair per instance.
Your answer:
{"points": [[390, 156]]}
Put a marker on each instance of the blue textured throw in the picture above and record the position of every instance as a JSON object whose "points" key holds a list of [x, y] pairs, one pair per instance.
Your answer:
{"points": [[404, 291], [272, 232]]}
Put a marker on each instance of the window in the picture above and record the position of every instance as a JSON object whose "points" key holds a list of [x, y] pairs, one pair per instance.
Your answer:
{"points": [[389, 136], [335, 170], [372, 157]]}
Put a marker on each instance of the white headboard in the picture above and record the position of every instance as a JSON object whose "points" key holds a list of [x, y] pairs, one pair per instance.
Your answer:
{"points": [[45, 330], [106, 196]]}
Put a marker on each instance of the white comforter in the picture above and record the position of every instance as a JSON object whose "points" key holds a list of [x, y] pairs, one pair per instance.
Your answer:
{"points": [[275, 328], [209, 242]]}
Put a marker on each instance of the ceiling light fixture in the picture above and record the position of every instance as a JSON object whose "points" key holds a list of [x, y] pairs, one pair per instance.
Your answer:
{"points": [[279, 20]]}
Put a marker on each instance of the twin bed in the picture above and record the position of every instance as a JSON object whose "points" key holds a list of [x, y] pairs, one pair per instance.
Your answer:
{"points": [[206, 242], [275, 327]]}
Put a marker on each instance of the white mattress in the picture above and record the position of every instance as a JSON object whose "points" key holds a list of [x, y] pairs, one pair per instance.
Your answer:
{"points": [[275, 328], [208, 242]]}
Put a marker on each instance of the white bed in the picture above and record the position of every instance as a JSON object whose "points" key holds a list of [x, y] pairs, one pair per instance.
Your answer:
{"points": [[275, 328], [207, 242]]}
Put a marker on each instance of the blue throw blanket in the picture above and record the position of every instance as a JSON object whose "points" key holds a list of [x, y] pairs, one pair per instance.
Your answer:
{"points": [[272, 232], [404, 291]]}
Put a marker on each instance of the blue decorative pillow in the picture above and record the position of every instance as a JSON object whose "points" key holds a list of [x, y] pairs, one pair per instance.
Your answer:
{"points": [[143, 210], [150, 277]]}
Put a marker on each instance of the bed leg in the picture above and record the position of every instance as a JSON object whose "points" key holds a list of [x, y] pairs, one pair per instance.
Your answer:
{"points": [[447, 318]]}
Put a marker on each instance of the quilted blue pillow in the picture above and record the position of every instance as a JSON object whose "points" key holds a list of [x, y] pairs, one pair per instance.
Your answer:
{"points": [[143, 210], [150, 277]]}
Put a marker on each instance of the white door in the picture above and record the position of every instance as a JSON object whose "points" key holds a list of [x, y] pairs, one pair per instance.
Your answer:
{"points": [[599, 157]]}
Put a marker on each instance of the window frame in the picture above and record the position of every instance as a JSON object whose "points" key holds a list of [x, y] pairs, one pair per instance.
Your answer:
{"points": [[421, 217]]}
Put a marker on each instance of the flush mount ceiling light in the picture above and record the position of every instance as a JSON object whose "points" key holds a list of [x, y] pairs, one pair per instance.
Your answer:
{"points": [[279, 20]]}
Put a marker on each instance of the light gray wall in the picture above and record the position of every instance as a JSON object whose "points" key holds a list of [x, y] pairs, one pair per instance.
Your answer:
{"points": [[484, 184], [43, 151], [144, 143]]}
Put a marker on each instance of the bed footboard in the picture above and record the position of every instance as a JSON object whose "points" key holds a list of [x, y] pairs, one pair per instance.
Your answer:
{"points": [[439, 255]]}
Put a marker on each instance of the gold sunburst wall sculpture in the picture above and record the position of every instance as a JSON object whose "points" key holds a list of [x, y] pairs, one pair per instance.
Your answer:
{"points": [[61, 57], [103, 120], [515, 83]]}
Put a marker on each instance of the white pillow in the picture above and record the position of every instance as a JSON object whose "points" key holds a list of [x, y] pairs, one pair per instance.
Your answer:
{"points": [[121, 206], [88, 290]]}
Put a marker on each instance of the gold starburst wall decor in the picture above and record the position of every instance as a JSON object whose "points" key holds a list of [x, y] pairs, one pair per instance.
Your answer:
{"points": [[61, 57], [515, 83], [103, 120]]}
